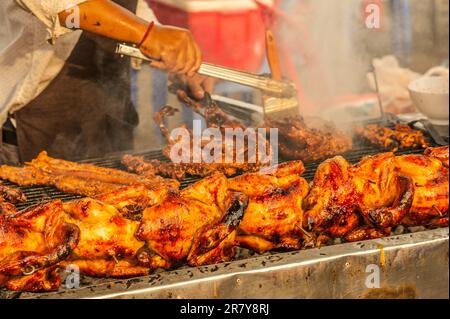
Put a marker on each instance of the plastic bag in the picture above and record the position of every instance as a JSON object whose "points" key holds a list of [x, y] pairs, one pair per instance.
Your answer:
{"points": [[393, 82]]}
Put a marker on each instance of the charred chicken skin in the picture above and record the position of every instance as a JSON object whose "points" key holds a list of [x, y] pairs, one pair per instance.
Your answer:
{"points": [[193, 225], [297, 140]]}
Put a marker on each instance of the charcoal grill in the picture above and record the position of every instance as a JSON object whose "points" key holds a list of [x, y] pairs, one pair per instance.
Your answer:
{"points": [[414, 264]]}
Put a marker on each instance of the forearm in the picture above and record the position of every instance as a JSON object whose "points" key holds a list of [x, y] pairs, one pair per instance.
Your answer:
{"points": [[105, 18], [173, 49]]}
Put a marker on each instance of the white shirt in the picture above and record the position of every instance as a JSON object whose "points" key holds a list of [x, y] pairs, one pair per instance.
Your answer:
{"points": [[28, 60]]}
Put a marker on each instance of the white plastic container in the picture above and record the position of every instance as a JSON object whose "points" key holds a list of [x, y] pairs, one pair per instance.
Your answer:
{"points": [[430, 95]]}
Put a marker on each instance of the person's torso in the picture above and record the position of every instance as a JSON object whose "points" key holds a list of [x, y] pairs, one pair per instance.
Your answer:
{"points": [[28, 61]]}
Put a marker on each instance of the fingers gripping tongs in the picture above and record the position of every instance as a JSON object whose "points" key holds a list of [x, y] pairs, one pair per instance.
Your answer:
{"points": [[279, 95]]}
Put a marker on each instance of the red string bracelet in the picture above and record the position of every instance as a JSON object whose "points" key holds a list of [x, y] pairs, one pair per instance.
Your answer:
{"points": [[150, 27]]}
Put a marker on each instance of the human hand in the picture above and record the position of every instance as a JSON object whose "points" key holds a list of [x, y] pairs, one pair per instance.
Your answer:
{"points": [[174, 50], [197, 84]]}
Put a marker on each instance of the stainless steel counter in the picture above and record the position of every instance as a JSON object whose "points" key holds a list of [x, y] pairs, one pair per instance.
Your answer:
{"points": [[409, 266]]}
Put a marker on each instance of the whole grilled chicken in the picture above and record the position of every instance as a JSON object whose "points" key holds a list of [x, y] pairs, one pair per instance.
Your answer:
{"points": [[107, 246], [384, 190], [100, 239], [108, 224], [32, 243], [331, 205], [343, 196], [273, 218], [430, 178], [425, 179], [198, 224]]}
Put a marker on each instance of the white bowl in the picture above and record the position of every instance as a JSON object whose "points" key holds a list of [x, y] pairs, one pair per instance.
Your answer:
{"points": [[430, 96]]}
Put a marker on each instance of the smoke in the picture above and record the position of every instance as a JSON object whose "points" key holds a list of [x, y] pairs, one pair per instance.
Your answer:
{"points": [[322, 38]]}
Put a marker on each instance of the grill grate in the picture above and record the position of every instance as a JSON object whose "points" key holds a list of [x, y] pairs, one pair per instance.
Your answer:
{"points": [[38, 194]]}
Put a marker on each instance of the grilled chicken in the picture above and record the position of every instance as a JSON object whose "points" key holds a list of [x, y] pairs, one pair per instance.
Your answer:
{"points": [[430, 178], [187, 166], [197, 224], [11, 195], [36, 239], [8, 197], [297, 140], [273, 218], [25, 176], [214, 117], [401, 136], [319, 139], [180, 171], [108, 223], [133, 230], [383, 190], [7, 208], [81, 179], [107, 246], [329, 206], [440, 153], [99, 239]]}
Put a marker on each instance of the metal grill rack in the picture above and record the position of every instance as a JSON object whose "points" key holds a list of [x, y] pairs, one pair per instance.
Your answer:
{"points": [[91, 287], [39, 194]]}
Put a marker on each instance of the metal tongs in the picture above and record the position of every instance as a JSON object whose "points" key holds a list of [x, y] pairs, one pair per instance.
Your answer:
{"points": [[279, 95], [270, 86]]}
